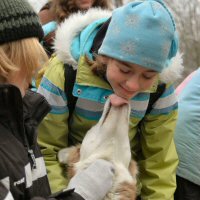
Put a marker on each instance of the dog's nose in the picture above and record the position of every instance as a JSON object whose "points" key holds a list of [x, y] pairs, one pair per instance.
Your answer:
{"points": [[117, 101]]}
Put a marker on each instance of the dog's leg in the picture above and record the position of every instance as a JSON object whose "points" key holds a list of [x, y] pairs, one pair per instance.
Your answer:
{"points": [[127, 191], [133, 169], [70, 156]]}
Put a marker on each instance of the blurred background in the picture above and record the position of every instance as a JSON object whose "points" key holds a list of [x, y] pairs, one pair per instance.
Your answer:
{"points": [[187, 15]]}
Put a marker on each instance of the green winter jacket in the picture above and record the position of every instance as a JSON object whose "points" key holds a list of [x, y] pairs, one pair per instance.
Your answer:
{"points": [[153, 147]]}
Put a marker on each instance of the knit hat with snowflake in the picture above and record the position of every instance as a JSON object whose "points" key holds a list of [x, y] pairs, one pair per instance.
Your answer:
{"points": [[18, 21], [142, 33]]}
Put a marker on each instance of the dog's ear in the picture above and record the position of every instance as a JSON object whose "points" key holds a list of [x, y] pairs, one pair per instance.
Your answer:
{"points": [[69, 155]]}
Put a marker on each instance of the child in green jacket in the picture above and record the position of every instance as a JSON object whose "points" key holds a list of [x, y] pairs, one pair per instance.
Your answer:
{"points": [[131, 54]]}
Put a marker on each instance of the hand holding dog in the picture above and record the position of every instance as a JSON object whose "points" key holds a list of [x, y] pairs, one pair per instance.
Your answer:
{"points": [[94, 182]]}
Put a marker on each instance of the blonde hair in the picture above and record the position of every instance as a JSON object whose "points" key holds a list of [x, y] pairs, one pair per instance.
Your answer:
{"points": [[26, 53]]}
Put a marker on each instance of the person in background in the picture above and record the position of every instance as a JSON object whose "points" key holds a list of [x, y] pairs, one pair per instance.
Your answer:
{"points": [[131, 53], [56, 11], [22, 168], [187, 138], [37, 4]]}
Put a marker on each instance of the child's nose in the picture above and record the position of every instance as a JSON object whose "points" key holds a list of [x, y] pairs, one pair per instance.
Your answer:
{"points": [[132, 84]]}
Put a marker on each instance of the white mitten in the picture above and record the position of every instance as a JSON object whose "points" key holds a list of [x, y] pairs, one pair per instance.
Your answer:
{"points": [[94, 182]]}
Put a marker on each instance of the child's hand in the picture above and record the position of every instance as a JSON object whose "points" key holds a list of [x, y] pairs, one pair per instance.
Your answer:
{"points": [[94, 182]]}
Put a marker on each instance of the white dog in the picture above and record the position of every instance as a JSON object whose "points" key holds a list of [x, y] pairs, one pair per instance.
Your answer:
{"points": [[108, 140]]}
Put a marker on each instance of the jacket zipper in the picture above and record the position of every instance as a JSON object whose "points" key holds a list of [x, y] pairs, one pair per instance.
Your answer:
{"points": [[33, 159]]}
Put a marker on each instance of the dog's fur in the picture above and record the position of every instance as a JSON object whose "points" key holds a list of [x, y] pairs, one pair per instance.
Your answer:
{"points": [[108, 140]]}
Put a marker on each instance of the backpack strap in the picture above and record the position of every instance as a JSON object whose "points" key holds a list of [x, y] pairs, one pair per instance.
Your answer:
{"points": [[155, 96], [70, 76], [152, 99]]}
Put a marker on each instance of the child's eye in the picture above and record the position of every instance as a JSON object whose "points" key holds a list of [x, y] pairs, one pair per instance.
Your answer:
{"points": [[125, 71], [149, 76]]}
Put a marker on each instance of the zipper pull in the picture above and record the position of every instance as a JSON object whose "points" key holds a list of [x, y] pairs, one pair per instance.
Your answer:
{"points": [[30, 151]]}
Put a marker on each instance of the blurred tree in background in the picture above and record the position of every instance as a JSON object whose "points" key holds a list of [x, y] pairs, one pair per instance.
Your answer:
{"points": [[187, 14]]}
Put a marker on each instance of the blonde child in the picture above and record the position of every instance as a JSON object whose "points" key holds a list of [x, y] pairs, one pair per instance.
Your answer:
{"points": [[22, 168]]}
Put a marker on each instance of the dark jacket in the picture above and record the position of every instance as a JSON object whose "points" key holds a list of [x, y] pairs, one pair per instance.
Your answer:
{"points": [[22, 169]]}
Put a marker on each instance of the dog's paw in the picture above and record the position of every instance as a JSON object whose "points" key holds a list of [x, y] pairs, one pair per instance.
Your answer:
{"points": [[127, 191], [69, 155], [63, 155]]}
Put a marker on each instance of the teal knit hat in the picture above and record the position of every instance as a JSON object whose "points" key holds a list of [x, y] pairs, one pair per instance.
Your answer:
{"points": [[143, 33], [18, 21]]}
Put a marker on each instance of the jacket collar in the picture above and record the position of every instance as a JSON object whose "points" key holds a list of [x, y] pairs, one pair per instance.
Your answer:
{"points": [[17, 111], [35, 106], [11, 104], [71, 28]]}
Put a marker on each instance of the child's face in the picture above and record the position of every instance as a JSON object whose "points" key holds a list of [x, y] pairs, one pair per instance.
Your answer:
{"points": [[84, 4], [129, 79]]}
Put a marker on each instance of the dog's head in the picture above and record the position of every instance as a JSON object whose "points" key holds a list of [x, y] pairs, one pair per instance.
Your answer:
{"points": [[109, 137]]}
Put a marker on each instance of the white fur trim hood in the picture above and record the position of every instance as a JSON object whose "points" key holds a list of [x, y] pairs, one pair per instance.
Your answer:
{"points": [[72, 26]]}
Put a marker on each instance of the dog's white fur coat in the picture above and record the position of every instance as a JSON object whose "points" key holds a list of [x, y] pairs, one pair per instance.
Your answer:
{"points": [[108, 140]]}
